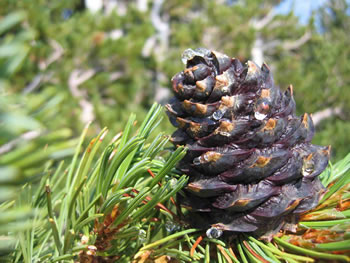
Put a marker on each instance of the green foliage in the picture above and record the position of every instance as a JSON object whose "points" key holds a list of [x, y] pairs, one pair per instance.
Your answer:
{"points": [[67, 39], [14, 47], [319, 71], [105, 197], [27, 146], [106, 205]]}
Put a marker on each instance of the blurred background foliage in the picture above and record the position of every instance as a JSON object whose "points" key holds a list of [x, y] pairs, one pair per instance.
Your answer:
{"points": [[66, 63], [98, 66]]}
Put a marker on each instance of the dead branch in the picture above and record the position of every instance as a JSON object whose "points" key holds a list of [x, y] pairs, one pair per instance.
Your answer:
{"points": [[290, 45], [319, 116], [76, 78]]}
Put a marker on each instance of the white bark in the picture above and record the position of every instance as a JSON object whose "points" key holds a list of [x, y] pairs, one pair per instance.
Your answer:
{"points": [[289, 45], [257, 51], [260, 46]]}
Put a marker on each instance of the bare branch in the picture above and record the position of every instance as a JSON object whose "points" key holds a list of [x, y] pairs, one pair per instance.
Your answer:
{"points": [[258, 49], [319, 116], [289, 45], [260, 24], [157, 22], [55, 55], [163, 32], [163, 28], [76, 78], [149, 46]]}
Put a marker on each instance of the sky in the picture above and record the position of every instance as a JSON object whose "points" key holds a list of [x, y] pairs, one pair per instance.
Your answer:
{"points": [[301, 8]]}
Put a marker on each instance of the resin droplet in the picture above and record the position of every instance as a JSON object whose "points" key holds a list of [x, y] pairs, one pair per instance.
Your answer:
{"points": [[259, 116], [217, 115], [307, 171], [214, 233], [171, 227], [197, 161], [142, 236], [227, 134], [173, 182]]}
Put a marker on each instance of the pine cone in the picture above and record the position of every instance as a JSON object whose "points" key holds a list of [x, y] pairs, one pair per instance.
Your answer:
{"points": [[250, 160]]}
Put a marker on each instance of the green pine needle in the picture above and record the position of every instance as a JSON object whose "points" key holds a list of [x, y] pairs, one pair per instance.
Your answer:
{"points": [[108, 198]]}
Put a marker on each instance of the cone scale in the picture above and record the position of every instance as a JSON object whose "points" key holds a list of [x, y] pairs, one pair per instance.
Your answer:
{"points": [[250, 161]]}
